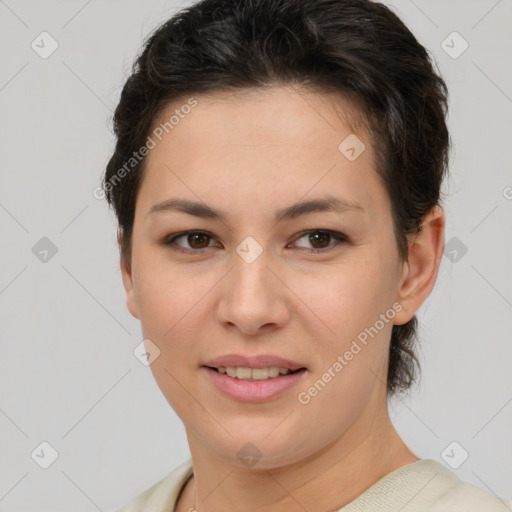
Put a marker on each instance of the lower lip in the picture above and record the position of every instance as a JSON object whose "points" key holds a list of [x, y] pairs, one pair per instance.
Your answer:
{"points": [[253, 390]]}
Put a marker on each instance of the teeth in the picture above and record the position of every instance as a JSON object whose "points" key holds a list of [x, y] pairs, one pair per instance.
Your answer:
{"points": [[259, 374], [273, 371], [243, 373]]}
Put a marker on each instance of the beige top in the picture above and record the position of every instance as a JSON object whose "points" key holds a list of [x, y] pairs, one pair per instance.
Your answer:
{"points": [[421, 486]]}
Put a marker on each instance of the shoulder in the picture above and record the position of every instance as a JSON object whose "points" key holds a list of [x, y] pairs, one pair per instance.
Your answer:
{"points": [[425, 486], [162, 496], [442, 491], [465, 497]]}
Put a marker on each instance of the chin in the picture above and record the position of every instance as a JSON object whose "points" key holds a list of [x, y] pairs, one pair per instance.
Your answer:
{"points": [[259, 448]]}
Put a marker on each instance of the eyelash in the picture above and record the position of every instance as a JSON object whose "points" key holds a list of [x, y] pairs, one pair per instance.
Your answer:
{"points": [[170, 240]]}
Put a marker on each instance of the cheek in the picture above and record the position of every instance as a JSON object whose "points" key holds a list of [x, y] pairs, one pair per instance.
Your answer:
{"points": [[170, 305], [174, 303], [166, 294], [346, 299]]}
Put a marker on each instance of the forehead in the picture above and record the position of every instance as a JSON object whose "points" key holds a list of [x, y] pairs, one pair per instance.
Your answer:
{"points": [[250, 143], [272, 115]]}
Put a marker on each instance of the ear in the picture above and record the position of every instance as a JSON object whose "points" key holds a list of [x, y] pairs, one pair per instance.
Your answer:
{"points": [[131, 301], [422, 265]]}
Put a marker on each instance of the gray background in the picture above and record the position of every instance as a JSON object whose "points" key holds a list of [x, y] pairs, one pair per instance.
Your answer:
{"points": [[68, 375]]}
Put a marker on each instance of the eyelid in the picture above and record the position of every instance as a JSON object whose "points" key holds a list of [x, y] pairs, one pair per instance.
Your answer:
{"points": [[339, 237], [170, 240]]}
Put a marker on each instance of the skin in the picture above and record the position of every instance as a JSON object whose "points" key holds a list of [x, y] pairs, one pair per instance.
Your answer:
{"points": [[250, 154]]}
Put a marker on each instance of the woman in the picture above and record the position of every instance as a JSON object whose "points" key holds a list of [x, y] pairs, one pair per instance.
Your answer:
{"points": [[276, 179]]}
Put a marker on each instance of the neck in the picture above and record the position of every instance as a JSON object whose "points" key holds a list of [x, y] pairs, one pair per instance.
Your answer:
{"points": [[328, 480]]}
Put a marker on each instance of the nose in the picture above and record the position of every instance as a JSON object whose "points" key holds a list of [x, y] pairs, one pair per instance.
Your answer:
{"points": [[253, 298]]}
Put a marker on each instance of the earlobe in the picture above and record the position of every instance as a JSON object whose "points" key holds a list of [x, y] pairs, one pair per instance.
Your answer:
{"points": [[131, 301], [422, 265]]}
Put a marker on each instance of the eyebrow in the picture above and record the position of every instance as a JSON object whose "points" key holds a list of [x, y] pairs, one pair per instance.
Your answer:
{"points": [[324, 204]]}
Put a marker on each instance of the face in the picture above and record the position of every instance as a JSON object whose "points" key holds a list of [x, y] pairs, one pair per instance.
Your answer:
{"points": [[259, 285]]}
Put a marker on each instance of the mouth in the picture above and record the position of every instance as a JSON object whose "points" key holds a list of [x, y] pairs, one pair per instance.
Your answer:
{"points": [[254, 374], [253, 379]]}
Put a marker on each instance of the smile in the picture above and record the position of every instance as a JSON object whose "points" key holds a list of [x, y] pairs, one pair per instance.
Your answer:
{"points": [[244, 373], [255, 385]]}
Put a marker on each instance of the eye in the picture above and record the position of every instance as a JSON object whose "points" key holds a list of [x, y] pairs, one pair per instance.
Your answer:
{"points": [[320, 237], [198, 240]]}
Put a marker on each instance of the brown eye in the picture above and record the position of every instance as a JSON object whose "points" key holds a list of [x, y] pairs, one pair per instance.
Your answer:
{"points": [[196, 241], [320, 240]]}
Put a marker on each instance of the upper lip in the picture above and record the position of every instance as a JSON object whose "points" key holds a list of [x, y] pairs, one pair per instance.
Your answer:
{"points": [[258, 361]]}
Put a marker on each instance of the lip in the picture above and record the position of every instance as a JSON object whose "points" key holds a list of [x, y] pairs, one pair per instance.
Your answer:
{"points": [[255, 391], [258, 361]]}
